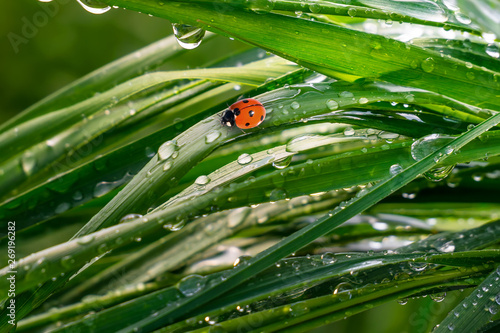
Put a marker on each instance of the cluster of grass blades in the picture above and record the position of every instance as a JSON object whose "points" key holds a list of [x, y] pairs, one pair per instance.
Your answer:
{"points": [[374, 177]]}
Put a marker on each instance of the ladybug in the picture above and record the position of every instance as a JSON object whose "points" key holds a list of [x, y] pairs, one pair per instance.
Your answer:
{"points": [[247, 113]]}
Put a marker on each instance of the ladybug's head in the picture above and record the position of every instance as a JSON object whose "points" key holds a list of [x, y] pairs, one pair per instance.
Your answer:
{"points": [[228, 118]]}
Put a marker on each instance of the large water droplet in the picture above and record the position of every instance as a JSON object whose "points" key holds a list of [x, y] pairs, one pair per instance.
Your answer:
{"points": [[94, 6], [202, 180], [244, 159], [167, 149], [191, 284], [429, 144], [187, 36]]}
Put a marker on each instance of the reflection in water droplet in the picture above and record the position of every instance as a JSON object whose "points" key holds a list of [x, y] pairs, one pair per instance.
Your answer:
{"points": [[94, 6], [187, 36]]}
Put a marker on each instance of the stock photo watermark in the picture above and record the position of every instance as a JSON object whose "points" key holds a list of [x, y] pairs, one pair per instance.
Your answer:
{"points": [[31, 25], [11, 273]]}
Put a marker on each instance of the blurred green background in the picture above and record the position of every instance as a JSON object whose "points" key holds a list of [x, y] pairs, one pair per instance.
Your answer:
{"points": [[67, 43]]}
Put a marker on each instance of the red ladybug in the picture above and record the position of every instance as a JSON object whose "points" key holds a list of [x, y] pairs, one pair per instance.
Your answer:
{"points": [[247, 113]]}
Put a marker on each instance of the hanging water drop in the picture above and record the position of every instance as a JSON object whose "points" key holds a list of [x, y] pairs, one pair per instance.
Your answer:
{"points": [[94, 6], [187, 36], [282, 163]]}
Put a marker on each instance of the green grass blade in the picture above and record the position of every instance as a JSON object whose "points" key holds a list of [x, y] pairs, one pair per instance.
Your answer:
{"points": [[477, 309], [311, 232]]}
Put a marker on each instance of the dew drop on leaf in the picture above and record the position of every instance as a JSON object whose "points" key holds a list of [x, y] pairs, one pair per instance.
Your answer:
{"points": [[244, 159], [130, 217], [191, 284], [202, 180]]}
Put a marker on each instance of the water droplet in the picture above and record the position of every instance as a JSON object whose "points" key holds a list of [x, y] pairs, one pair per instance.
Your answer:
{"points": [[130, 217], [67, 261], [352, 12], [349, 131], [402, 301], [395, 169], [277, 194], [202, 180], [332, 105], [295, 105], [261, 6], [85, 239], [438, 297], [94, 6], [429, 144], [102, 188], [168, 164], [493, 50], [167, 149], [346, 94], [242, 260], [282, 163], [245, 159], [77, 196], [187, 36], [363, 100], [191, 284], [428, 65], [212, 136], [343, 291], [444, 246], [451, 327], [149, 152], [28, 163], [438, 174]]}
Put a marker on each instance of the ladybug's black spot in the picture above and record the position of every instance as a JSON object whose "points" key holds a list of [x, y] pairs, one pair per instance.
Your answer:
{"points": [[236, 112], [251, 113], [245, 101], [261, 118], [247, 124]]}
